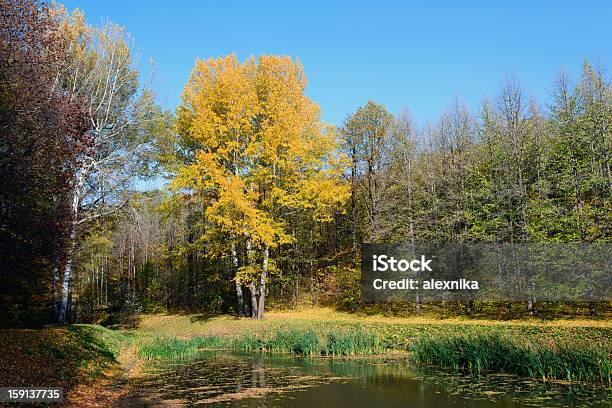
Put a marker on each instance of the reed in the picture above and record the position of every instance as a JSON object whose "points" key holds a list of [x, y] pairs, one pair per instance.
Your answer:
{"points": [[575, 354], [342, 342], [496, 352], [172, 348], [335, 342]]}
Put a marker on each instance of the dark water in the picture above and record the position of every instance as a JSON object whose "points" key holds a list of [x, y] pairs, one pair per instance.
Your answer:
{"points": [[259, 380]]}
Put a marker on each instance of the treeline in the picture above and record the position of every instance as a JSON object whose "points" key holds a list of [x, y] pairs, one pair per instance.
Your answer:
{"points": [[263, 201], [513, 173]]}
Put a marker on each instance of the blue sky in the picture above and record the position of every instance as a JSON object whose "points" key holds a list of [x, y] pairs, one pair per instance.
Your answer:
{"points": [[418, 55]]}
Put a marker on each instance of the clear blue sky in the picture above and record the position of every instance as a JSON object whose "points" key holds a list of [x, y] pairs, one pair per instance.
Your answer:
{"points": [[397, 53]]}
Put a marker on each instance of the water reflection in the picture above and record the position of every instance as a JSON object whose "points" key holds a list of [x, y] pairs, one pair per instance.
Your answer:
{"points": [[253, 380]]}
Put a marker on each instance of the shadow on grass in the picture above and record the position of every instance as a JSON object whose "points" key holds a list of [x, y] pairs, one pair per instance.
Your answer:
{"points": [[94, 343], [203, 317], [57, 356], [197, 315]]}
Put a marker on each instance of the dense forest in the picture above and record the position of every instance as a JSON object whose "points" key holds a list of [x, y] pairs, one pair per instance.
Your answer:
{"points": [[261, 201]]}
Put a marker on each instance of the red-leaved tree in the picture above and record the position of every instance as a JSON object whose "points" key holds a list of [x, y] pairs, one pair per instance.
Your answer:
{"points": [[41, 132]]}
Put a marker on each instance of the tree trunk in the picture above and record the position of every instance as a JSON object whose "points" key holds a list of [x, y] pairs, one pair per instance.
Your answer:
{"points": [[262, 284], [469, 307], [67, 278], [253, 284], [239, 295], [531, 302], [67, 281], [417, 302], [190, 264], [531, 307], [56, 303], [353, 202], [254, 303]]}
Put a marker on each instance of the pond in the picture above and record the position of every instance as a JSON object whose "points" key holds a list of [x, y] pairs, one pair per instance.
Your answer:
{"points": [[222, 378]]}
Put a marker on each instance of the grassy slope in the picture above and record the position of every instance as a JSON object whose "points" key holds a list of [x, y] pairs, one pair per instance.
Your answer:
{"points": [[85, 359], [82, 359], [397, 333]]}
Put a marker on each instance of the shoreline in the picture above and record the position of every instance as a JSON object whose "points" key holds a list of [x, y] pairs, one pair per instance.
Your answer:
{"points": [[97, 365]]}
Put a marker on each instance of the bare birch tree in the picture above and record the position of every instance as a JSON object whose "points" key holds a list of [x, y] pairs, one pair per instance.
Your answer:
{"points": [[102, 72]]}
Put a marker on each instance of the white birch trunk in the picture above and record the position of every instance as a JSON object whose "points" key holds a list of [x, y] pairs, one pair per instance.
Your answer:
{"points": [[67, 278]]}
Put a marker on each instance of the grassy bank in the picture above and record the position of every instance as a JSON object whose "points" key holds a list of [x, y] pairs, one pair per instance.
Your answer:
{"points": [[82, 358], [567, 349]]}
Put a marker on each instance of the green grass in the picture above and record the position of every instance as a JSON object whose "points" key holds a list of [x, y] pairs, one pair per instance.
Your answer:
{"points": [[568, 350], [172, 348], [497, 352], [343, 342]]}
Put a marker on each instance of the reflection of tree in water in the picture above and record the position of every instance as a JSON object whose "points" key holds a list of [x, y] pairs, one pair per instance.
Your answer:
{"points": [[258, 373]]}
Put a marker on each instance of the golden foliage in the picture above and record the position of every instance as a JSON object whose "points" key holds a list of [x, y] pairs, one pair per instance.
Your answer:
{"points": [[259, 148]]}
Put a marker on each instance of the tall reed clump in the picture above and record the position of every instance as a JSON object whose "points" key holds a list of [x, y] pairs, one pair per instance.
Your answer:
{"points": [[172, 348], [356, 341], [300, 342], [346, 342], [497, 353], [305, 343]]}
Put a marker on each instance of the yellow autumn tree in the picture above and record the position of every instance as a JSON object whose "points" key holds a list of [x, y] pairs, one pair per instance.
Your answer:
{"points": [[255, 150]]}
